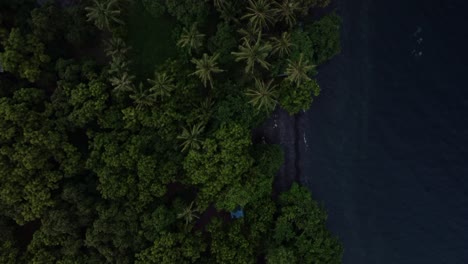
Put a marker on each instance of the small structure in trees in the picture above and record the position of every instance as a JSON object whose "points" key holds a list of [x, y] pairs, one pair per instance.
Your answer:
{"points": [[237, 213]]}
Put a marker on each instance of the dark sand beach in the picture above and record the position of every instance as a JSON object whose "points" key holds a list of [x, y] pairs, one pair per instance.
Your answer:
{"points": [[385, 146]]}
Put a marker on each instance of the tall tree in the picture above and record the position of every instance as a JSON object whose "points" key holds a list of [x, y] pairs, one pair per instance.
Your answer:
{"points": [[282, 45], [263, 95], [161, 85], [116, 46], [141, 97], [191, 39], [249, 34], [34, 155], [104, 13], [260, 14], [252, 54], [189, 214], [23, 55], [286, 10], [122, 82], [118, 65], [300, 231], [298, 70], [191, 137], [205, 67]]}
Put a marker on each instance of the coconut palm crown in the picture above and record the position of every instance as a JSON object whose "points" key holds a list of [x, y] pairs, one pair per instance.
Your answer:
{"points": [[191, 137], [161, 85], [191, 39], [205, 67], [252, 54], [286, 11], [282, 45], [298, 70], [123, 82], [263, 95], [103, 13], [260, 14]]}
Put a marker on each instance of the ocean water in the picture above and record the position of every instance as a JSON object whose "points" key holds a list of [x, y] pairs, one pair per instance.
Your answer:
{"points": [[386, 144]]}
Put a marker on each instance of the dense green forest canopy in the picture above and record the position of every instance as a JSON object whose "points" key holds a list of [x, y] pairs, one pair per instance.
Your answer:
{"points": [[125, 130]]}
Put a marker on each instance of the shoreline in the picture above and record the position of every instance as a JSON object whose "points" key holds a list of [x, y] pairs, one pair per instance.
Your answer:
{"points": [[284, 130]]}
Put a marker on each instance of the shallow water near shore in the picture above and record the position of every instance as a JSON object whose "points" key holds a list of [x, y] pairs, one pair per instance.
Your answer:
{"points": [[385, 146]]}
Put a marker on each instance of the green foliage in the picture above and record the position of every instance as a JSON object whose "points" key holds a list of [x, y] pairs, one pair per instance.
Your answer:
{"points": [[235, 108], [43, 20], [325, 37], [104, 13], [218, 168], [160, 219], [123, 82], [115, 232], [171, 248], [286, 11], [260, 14], [253, 54], [282, 45], [302, 44], [294, 98], [81, 96], [191, 137], [205, 67], [141, 97], [60, 236], [161, 85], [191, 39], [263, 95], [223, 42], [300, 231], [229, 244], [188, 12], [51, 23], [23, 55], [126, 166], [154, 7], [298, 70], [9, 251], [34, 155], [103, 162]]}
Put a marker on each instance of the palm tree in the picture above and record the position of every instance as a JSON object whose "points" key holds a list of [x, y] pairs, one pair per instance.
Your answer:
{"points": [[252, 54], [205, 67], [286, 11], [103, 13], [141, 97], [219, 3], [191, 138], [227, 10], [207, 105], [118, 64], [189, 214], [298, 70], [263, 96], [191, 39], [282, 45], [162, 85], [260, 13], [123, 82], [116, 47], [249, 34]]}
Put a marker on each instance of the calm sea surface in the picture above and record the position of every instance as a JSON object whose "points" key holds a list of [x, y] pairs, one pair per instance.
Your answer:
{"points": [[386, 144]]}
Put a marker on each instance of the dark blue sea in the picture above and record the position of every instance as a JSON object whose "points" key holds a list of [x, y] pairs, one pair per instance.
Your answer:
{"points": [[386, 143]]}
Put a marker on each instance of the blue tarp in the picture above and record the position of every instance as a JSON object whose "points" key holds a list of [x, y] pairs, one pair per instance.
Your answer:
{"points": [[238, 213]]}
